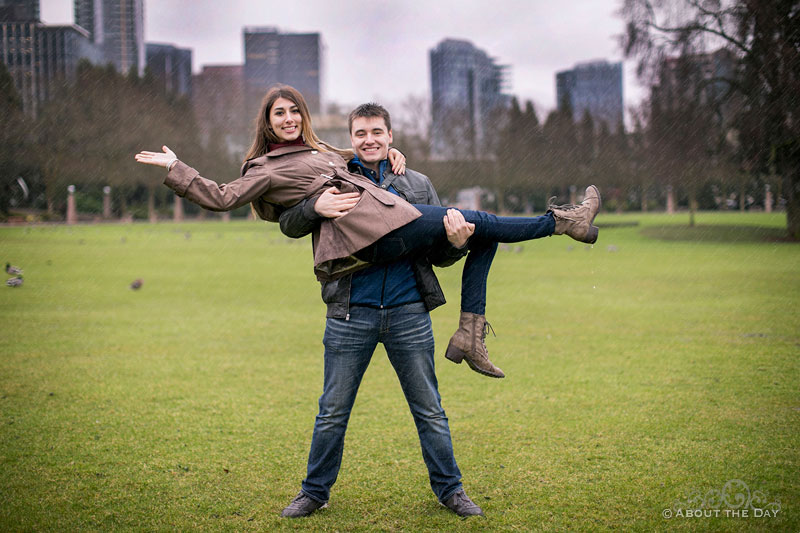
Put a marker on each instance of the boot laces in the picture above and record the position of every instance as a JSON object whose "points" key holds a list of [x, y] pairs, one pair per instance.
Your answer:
{"points": [[486, 329], [566, 207]]}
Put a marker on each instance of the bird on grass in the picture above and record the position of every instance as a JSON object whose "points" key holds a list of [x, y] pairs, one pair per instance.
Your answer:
{"points": [[14, 282], [14, 271], [137, 284]]}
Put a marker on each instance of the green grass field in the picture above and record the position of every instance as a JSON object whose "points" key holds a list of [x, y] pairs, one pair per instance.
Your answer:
{"points": [[659, 365]]}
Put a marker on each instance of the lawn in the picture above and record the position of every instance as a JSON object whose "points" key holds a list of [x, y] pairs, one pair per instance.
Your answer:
{"points": [[652, 373]]}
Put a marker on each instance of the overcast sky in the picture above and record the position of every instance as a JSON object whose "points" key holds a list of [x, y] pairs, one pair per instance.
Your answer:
{"points": [[379, 50]]}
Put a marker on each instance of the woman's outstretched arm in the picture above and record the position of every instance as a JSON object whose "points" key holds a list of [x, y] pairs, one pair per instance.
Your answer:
{"points": [[187, 182]]}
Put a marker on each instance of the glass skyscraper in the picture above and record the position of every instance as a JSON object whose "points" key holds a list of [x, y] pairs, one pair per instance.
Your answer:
{"points": [[171, 66], [466, 87], [117, 28], [291, 58], [595, 87]]}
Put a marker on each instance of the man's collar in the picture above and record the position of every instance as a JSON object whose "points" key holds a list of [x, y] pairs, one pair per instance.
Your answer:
{"points": [[381, 166]]}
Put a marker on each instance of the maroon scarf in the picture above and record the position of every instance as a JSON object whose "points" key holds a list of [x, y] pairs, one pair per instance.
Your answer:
{"points": [[297, 142]]}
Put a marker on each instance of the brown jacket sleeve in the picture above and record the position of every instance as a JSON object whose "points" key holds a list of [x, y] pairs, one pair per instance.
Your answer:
{"points": [[187, 183]]}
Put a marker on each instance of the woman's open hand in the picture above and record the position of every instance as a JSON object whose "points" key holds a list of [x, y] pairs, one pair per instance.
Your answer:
{"points": [[398, 161], [157, 158]]}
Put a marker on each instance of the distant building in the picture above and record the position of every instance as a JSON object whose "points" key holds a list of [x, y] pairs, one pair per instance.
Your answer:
{"points": [[467, 86], [19, 11], [117, 28], [39, 57], [171, 66], [218, 100], [595, 87], [291, 58], [704, 74]]}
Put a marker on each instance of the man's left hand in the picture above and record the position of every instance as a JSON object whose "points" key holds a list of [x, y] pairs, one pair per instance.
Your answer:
{"points": [[457, 228]]}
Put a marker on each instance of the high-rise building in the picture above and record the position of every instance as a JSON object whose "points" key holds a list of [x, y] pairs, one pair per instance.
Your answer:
{"points": [[467, 87], [291, 58], [39, 57], [218, 99], [596, 87], [698, 76], [19, 10], [171, 66], [117, 27]]}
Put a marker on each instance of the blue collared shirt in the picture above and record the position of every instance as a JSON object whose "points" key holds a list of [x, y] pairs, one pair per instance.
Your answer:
{"points": [[382, 285]]}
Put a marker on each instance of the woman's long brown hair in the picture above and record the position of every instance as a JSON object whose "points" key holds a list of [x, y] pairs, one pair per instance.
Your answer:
{"points": [[264, 135]]}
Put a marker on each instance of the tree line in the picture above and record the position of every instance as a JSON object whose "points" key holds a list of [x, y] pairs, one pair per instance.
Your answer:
{"points": [[87, 134], [720, 122], [700, 139]]}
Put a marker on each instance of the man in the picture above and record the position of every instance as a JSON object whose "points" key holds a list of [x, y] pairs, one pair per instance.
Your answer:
{"points": [[383, 303]]}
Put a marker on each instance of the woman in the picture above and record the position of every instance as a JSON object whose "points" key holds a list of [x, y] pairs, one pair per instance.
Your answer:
{"points": [[288, 163]]}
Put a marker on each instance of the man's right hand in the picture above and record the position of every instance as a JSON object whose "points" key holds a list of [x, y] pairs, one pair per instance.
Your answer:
{"points": [[334, 204]]}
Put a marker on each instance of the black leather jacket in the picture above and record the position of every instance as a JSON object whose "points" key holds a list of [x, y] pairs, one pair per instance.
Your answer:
{"points": [[416, 188]]}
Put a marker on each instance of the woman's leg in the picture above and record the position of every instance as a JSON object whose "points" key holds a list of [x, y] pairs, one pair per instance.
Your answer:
{"points": [[468, 342], [474, 276], [427, 232]]}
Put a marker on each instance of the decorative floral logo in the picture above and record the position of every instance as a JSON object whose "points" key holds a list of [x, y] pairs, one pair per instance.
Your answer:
{"points": [[734, 495]]}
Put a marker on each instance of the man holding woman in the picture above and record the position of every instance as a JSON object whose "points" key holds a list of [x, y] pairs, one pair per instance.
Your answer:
{"points": [[387, 303]]}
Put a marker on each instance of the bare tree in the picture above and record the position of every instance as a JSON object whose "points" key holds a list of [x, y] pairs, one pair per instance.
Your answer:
{"points": [[763, 38]]}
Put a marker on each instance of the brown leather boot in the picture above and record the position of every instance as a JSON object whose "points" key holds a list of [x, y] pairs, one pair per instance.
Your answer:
{"points": [[576, 220], [468, 343]]}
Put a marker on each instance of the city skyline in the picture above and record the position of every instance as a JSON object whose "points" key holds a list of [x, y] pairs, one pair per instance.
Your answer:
{"points": [[537, 41]]}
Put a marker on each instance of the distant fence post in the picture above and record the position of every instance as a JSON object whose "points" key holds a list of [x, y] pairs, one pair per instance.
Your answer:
{"points": [[768, 199], [106, 202], [177, 213], [72, 212]]}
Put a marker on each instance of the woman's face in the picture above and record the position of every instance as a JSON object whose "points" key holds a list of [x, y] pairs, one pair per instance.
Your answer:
{"points": [[285, 120]]}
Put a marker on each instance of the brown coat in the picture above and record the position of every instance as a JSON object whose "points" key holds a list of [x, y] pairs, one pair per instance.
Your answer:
{"points": [[287, 175]]}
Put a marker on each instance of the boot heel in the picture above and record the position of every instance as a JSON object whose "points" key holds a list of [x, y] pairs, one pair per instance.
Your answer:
{"points": [[591, 236], [454, 354]]}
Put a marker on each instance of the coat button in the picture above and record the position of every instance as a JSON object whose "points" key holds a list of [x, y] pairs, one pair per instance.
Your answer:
{"points": [[314, 152], [331, 163], [383, 186]]}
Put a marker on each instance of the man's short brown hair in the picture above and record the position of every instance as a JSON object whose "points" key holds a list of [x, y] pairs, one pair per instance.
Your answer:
{"points": [[368, 110]]}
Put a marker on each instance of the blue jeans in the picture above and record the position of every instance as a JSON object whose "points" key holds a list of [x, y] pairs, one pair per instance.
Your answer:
{"points": [[406, 333], [427, 232]]}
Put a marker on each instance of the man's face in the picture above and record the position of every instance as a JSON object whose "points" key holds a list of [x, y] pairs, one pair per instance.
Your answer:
{"points": [[370, 139]]}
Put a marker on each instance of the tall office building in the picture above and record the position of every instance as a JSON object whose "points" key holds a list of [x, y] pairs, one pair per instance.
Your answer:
{"points": [[291, 58], [171, 66], [40, 57], [19, 10], [117, 27], [596, 87], [467, 87], [698, 76]]}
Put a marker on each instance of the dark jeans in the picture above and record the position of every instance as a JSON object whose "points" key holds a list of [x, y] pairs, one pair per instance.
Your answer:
{"points": [[406, 333], [427, 232]]}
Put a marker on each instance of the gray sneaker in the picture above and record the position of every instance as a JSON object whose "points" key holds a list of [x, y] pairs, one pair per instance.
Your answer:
{"points": [[460, 504], [301, 506]]}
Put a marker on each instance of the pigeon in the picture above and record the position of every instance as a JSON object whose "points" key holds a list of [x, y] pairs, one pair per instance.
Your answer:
{"points": [[137, 284], [14, 271], [14, 282]]}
